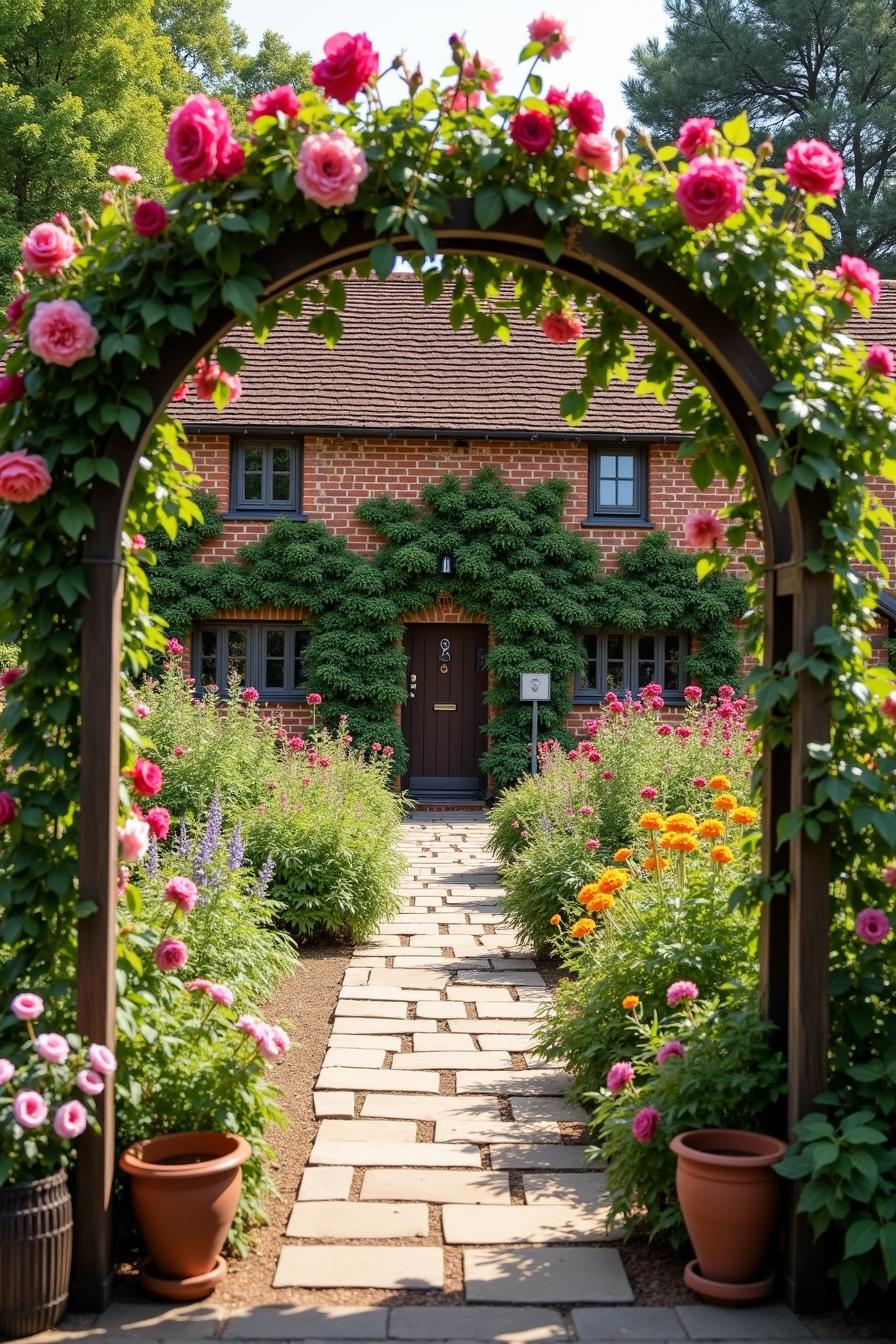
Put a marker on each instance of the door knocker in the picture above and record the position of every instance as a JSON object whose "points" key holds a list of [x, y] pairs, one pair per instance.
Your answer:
{"points": [[444, 654]]}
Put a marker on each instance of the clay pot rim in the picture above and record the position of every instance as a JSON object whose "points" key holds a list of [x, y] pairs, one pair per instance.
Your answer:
{"points": [[133, 1163], [687, 1146]]}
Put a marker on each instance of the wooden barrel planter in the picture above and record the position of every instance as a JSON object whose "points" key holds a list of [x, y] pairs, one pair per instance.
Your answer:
{"points": [[35, 1254]]}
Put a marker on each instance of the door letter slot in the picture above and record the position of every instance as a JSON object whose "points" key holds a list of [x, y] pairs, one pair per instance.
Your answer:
{"points": [[445, 708]]}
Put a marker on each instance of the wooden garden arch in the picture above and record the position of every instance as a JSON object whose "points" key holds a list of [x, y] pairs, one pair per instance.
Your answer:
{"points": [[794, 933]]}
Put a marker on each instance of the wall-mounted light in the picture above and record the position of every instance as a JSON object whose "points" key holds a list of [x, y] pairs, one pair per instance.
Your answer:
{"points": [[446, 564]]}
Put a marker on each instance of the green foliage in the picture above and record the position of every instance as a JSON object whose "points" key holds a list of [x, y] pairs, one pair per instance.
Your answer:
{"points": [[553, 867], [729, 1077]]}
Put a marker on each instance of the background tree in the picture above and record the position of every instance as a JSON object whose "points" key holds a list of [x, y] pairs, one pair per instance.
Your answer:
{"points": [[822, 68]]}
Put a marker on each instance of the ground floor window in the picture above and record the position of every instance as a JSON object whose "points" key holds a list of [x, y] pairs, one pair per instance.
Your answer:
{"points": [[269, 657], [619, 661]]}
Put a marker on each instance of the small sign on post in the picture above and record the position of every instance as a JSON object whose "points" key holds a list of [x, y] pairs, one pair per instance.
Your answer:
{"points": [[535, 686]]}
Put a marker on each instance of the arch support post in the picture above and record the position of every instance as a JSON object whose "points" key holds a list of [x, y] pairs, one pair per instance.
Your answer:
{"points": [[92, 1270]]}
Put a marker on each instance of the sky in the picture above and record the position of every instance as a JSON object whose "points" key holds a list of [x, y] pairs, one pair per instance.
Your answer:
{"points": [[599, 60]]}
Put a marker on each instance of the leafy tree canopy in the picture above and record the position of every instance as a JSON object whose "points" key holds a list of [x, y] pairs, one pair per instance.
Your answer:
{"points": [[816, 68]]}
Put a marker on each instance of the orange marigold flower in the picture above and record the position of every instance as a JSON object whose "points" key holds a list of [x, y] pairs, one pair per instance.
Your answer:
{"points": [[724, 802], [744, 816], [721, 854], [719, 782], [650, 865], [599, 904], [555, 920], [681, 823], [666, 841], [712, 829], [683, 844], [630, 1001], [582, 928], [588, 893], [622, 854], [651, 821], [611, 879]]}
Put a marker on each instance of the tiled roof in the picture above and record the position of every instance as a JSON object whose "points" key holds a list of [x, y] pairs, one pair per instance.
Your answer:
{"points": [[400, 366]]}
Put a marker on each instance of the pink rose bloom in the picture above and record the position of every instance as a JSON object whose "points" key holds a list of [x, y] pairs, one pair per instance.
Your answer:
{"points": [[251, 1025], [562, 327], [133, 837], [70, 1120], [174, 647], [138, 543], [29, 1110], [671, 1050], [124, 174], [709, 191], [200, 141], [586, 113], [52, 1047], [15, 309], [312, 698], [150, 218], [7, 1070], [592, 844], [649, 794], [24, 477], [8, 808], [552, 34], [182, 892], [696, 134], [12, 388], [558, 98], [26, 1007], [879, 360], [664, 730], [101, 1059], [180, 392], [349, 63], [619, 1077], [680, 990], [61, 332], [47, 249], [142, 711], [532, 131], [179, 751], [280, 1039], [331, 168], [159, 821], [208, 374], [457, 101], [250, 695], [890, 875], [297, 743], [388, 751], [703, 530], [200, 984], [221, 994], [683, 733], [872, 926], [146, 776], [90, 1082], [171, 954], [483, 70], [645, 1123], [692, 694], [813, 166], [725, 692], [282, 99], [855, 271], [888, 707]]}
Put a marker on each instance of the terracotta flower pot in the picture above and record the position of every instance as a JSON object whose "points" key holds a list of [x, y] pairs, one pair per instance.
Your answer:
{"points": [[35, 1254], [730, 1199], [185, 1189]]}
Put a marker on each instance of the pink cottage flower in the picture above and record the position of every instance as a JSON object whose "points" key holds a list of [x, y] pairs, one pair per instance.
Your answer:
{"points": [[52, 1047], [24, 477], [388, 751], [222, 995], [880, 360], [138, 542], [312, 698], [182, 892], [150, 218], [561, 328], [249, 695], [725, 693], [12, 388], [200, 141], [889, 875], [671, 1050], [48, 249], [349, 62], [174, 647], [551, 33], [14, 311], [10, 676], [133, 837], [649, 794], [171, 954], [90, 1082], [159, 821], [710, 190], [557, 98], [592, 844], [620, 1075], [692, 694], [888, 707], [853, 271], [331, 168], [178, 752], [7, 1071], [124, 174], [70, 1120], [595, 151], [586, 113], [101, 1059], [484, 71], [27, 1007], [282, 99], [703, 530], [695, 135], [681, 989], [29, 1110], [532, 131], [645, 1124], [8, 808], [872, 926], [251, 1025], [61, 332], [813, 166]]}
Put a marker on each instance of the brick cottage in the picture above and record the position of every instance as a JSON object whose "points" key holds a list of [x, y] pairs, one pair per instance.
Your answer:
{"points": [[402, 401]]}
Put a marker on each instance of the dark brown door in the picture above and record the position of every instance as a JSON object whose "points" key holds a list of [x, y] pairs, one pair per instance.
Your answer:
{"points": [[445, 710]]}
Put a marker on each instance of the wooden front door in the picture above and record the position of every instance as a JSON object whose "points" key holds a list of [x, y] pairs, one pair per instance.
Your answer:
{"points": [[445, 709]]}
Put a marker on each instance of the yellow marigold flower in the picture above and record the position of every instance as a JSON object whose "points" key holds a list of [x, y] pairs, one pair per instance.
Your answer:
{"points": [[719, 782], [721, 854], [725, 802], [650, 865], [651, 821], [599, 904], [712, 829], [588, 893], [582, 928], [611, 879], [667, 841], [744, 816], [683, 844], [630, 1001], [555, 920], [622, 854], [681, 823]]}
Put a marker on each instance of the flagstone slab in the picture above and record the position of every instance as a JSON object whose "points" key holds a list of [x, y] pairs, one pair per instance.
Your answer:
{"points": [[360, 1267], [340, 1058], [458, 1129], [318, 1323], [464, 1225], [378, 1080], [357, 1008], [548, 1108], [519, 1082], [341, 1104], [505, 1011], [325, 1220], [478, 1026], [355, 975], [367, 1131], [442, 1041], [437, 1187], [358, 1154], [535, 1156], [558, 1274], [479, 993], [518, 1044], [441, 1010], [325, 1183], [522, 979], [490, 1325], [626, 1323], [386, 994], [587, 1188], [410, 979], [768, 1320], [453, 1059], [387, 1044], [399, 1106], [375, 1026]]}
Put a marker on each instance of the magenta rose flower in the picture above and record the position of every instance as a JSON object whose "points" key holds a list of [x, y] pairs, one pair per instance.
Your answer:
{"points": [[26, 1007], [551, 33], [52, 1047], [101, 1059], [12, 388], [645, 1124], [586, 113], [7, 1071], [692, 694], [312, 698], [182, 892], [680, 990], [813, 166], [879, 360], [282, 99], [532, 131], [8, 805], [695, 135], [484, 71], [249, 695], [61, 332], [221, 994], [150, 218], [171, 954], [709, 191], [15, 309], [146, 776], [200, 141], [888, 706], [671, 1050], [853, 271], [23, 478], [872, 926], [47, 249], [208, 374], [558, 98], [29, 1110], [595, 151], [331, 168], [174, 647], [158, 819], [349, 62], [620, 1075], [90, 1082], [703, 530], [562, 327], [70, 1120], [649, 793], [133, 837]]}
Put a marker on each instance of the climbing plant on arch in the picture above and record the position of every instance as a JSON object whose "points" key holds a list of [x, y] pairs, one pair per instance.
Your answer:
{"points": [[708, 245]]}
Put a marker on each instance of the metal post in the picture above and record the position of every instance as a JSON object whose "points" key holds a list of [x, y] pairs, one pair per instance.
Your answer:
{"points": [[535, 737]]}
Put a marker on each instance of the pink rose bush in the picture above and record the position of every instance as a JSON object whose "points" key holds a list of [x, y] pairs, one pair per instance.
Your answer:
{"points": [[201, 143], [703, 530], [12, 388], [812, 166], [24, 477], [872, 926], [331, 168], [552, 34], [710, 191], [595, 151], [349, 62], [532, 131], [48, 249], [61, 332], [282, 100], [586, 113], [854, 273], [697, 134], [645, 1124], [150, 218], [880, 360]]}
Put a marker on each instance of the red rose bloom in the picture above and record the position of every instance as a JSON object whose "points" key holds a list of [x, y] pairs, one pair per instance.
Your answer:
{"points": [[532, 131], [150, 218], [561, 328], [147, 777], [8, 809], [12, 388], [349, 63], [586, 113]]}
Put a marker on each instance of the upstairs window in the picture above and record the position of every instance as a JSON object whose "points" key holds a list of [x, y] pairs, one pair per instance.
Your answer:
{"points": [[269, 657], [620, 662], [617, 484], [266, 476]]}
